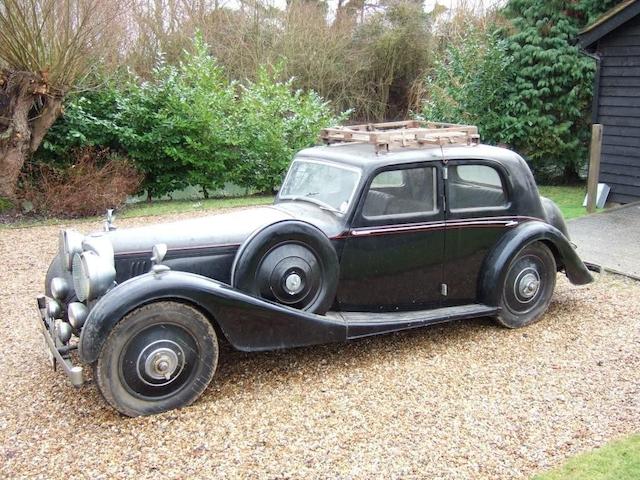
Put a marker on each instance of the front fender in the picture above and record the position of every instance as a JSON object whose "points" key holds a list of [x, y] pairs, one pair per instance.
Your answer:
{"points": [[495, 264], [249, 323]]}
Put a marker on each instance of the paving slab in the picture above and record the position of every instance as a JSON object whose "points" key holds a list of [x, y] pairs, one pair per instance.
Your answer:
{"points": [[610, 239]]}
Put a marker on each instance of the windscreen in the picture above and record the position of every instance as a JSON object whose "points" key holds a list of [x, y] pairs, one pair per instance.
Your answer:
{"points": [[325, 184]]}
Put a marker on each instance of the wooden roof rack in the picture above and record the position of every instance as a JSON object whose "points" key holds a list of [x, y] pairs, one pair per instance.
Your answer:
{"points": [[410, 133]]}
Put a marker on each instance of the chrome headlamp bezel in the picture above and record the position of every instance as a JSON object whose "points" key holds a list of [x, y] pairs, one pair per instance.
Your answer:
{"points": [[92, 275], [70, 244], [100, 244]]}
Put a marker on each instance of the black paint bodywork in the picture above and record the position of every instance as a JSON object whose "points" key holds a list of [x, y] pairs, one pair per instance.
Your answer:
{"points": [[391, 270]]}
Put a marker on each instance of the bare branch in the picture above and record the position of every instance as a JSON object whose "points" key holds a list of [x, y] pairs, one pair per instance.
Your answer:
{"points": [[57, 39]]}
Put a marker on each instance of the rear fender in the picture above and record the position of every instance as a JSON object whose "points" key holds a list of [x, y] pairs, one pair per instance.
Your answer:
{"points": [[248, 323], [495, 264]]}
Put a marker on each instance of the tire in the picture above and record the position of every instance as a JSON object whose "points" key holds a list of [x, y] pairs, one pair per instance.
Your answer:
{"points": [[528, 286], [289, 262], [167, 337]]}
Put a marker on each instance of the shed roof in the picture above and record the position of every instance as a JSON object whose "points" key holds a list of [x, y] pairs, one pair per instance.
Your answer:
{"points": [[608, 21]]}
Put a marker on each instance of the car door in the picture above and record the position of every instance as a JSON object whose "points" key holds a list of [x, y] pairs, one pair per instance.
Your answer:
{"points": [[478, 213], [393, 254]]}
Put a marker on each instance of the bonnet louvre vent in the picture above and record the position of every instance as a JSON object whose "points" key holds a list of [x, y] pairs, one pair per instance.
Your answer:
{"points": [[138, 267]]}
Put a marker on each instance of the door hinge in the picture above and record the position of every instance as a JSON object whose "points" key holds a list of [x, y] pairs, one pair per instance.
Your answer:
{"points": [[444, 289]]}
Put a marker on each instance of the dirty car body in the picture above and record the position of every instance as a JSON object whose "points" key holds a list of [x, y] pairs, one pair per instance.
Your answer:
{"points": [[357, 243]]}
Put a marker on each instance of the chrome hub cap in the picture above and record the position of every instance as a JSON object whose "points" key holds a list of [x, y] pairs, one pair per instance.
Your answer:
{"points": [[290, 274], [293, 283], [527, 285], [163, 363]]}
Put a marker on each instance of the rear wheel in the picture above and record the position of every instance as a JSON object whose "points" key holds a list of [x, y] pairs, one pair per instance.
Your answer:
{"points": [[528, 286], [159, 357]]}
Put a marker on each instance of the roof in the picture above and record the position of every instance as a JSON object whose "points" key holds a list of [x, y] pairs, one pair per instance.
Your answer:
{"points": [[364, 156], [608, 22]]}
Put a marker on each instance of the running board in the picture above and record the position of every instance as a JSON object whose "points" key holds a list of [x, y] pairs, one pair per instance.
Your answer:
{"points": [[364, 324]]}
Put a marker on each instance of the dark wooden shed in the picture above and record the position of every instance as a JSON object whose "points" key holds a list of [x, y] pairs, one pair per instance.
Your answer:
{"points": [[614, 41]]}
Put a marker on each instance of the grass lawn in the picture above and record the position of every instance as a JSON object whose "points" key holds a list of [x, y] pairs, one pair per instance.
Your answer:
{"points": [[568, 198], [145, 209], [178, 206], [619, 460]]}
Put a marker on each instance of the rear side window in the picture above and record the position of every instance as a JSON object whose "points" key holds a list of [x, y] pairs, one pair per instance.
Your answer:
{"points": [[475, 186]]}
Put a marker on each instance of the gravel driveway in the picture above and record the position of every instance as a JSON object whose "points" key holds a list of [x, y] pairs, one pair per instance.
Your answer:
{"points": [[463, 400]]}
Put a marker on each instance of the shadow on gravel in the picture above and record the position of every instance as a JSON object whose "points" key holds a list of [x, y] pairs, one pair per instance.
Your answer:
{"points": [[258, 373], [327, 359]]}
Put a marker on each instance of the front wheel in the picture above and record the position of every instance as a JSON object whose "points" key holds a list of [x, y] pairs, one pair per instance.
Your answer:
{"points": [[159, 357], [528, 286]]}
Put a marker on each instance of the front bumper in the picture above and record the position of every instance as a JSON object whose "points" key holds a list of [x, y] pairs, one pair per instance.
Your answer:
{"points": [[59, 353]]}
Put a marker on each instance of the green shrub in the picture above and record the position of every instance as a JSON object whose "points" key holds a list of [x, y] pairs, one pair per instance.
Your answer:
{"points": [[525, 85], [176, 126], [6, 205], [467, 82], [548, 103], [188, 125], [90, 119], [272, 122]]}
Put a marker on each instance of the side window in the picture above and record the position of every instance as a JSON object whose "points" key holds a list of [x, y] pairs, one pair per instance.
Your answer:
{"points": [[392, 178], [475, 186], [403, 191]]}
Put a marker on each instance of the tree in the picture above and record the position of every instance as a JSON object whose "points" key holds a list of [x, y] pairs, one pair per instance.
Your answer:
{"points": [[548, 103], [523, 81], [46, 47], [395, 40]]}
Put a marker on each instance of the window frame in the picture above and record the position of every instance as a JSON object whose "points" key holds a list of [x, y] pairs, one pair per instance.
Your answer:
{"points": [[360, 220], [468, 212], [354, 192]]}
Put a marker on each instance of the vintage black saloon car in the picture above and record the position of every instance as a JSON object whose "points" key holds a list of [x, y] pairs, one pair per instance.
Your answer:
{"points": [[393, 227]]}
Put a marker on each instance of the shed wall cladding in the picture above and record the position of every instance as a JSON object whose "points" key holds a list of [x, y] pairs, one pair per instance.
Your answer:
{"points": [[619, 111]]}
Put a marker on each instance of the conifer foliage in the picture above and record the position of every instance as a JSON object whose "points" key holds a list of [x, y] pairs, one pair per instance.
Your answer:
{"points": [[539, 83]]}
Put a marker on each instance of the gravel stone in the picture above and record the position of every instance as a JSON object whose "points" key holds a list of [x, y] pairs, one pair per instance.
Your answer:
{"points": [[462, 400]]}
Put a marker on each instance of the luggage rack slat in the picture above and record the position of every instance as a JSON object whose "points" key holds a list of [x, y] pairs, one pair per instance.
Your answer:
{"points": [[409, 133]]}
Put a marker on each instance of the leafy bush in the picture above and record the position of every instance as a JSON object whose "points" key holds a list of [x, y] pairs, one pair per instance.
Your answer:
{"points": [[548, 103], [190, 125], [467, 82], [272, 122], [6, 205], [90, 119], [176, 126], [525, 85], [96, 180]]}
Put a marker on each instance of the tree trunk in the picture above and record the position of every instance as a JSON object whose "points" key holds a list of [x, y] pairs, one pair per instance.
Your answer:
{"points": [[21, 135], [41, 124], [15, 134]]}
